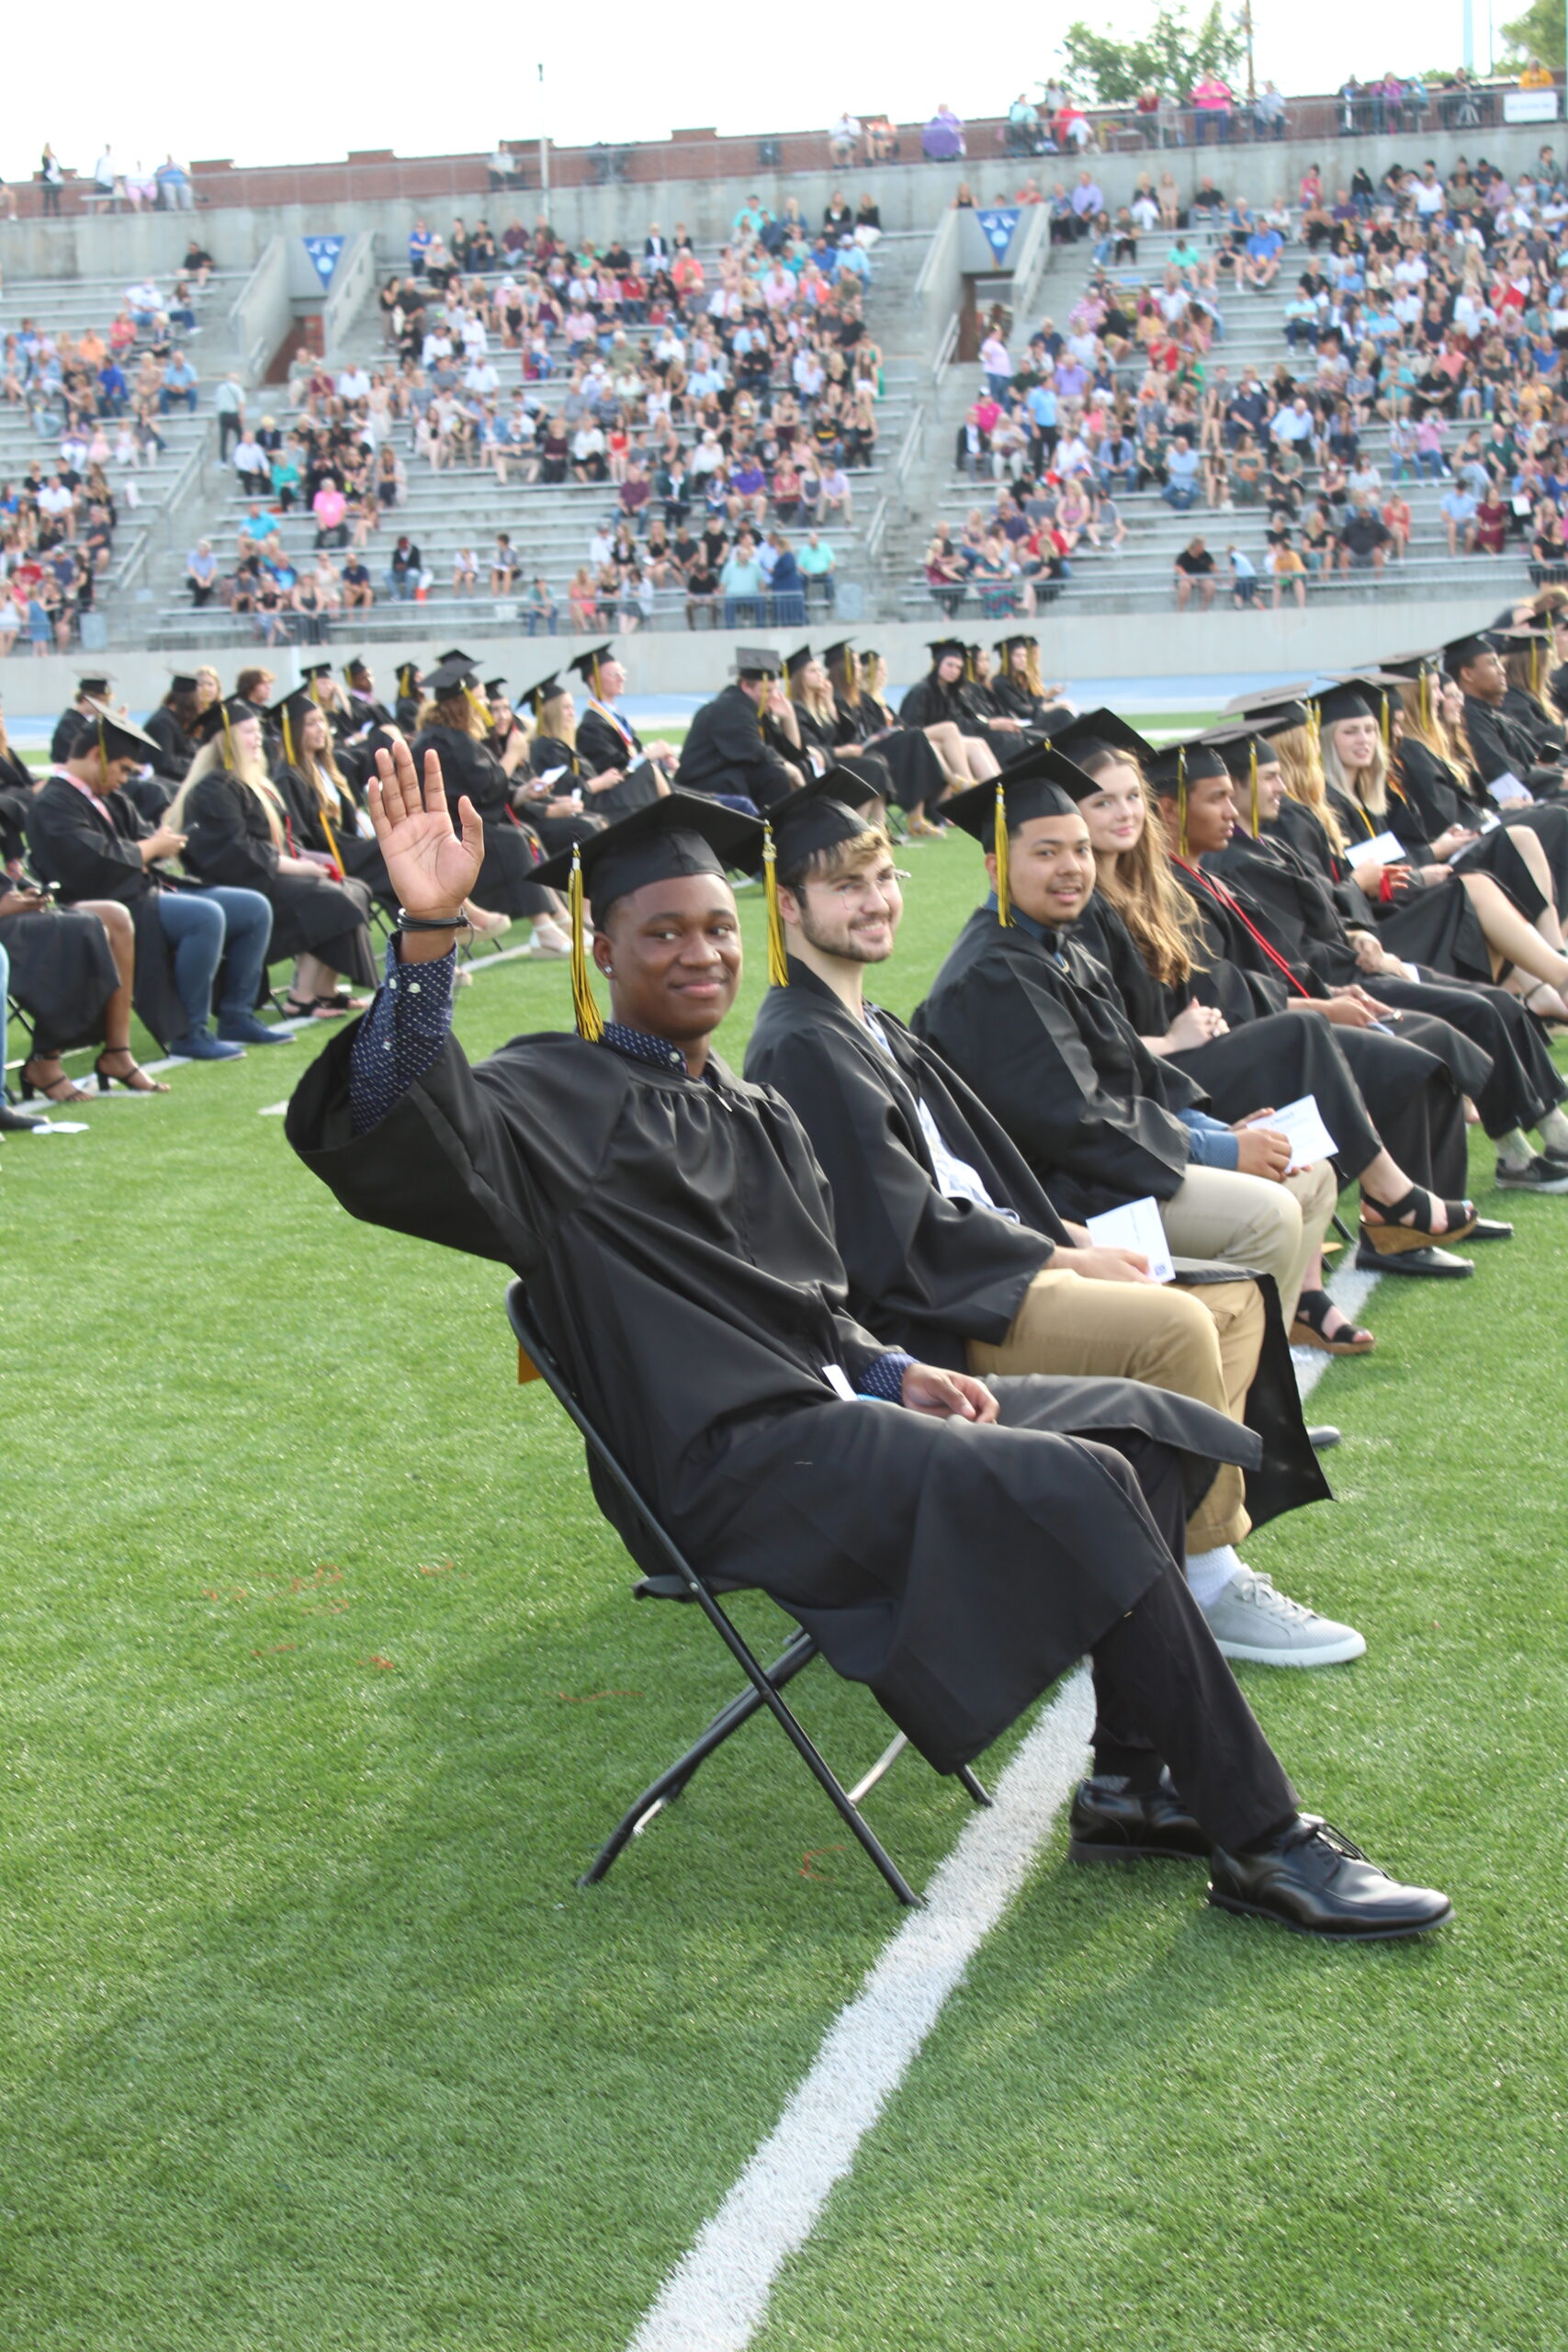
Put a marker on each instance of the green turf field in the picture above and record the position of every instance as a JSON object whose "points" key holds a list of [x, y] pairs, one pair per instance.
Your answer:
{"points": [[322, 1681]]}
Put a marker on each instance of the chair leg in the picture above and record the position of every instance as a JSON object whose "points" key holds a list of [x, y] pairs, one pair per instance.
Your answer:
{"points": [[971, 1786], [1342, 1229], [670, 1783]]}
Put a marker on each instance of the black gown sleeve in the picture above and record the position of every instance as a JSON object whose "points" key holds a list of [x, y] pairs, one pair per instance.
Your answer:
{"points": [[223, 843]]}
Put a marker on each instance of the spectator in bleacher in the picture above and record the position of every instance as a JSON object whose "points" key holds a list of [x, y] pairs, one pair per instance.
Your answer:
{"points": [[1194, 571]]}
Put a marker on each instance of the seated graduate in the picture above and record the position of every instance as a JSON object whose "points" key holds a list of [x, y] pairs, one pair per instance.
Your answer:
{"points": [[675, 1233], [952, 1249], [1201, 984], [452, 723], [70, 971], [728, 753], [606, 738], [84, 834], [921, 778], [326, 819], [174, 728], [1299, 918], [1508, 911], [938, 701], [1019, 689], [1502, 741], [557, 769], [236, 828], [811, 698], [1029, 1018]]}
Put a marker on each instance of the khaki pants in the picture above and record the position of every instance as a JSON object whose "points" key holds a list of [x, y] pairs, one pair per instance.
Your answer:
{"points": [[1247, 1221], [1203, 1343]]}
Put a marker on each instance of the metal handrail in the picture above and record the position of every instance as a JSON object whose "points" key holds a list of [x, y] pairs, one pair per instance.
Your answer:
{"points": [[945, 350]]}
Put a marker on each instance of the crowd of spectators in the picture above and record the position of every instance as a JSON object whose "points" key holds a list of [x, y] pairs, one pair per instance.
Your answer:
{"points": [[723, 410], [97, 403], [1424, 333]]}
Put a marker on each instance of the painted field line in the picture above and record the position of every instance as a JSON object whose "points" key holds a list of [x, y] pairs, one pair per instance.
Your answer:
{"points": [[716, 2297]]}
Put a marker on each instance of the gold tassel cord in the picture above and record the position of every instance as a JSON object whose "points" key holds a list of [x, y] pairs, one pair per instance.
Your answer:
{"points": [[288, 740], [1387, 707], [1181, 802], [1426, 702], [1253, 762], [1004, 896], [590, 1020], [778, 960]]}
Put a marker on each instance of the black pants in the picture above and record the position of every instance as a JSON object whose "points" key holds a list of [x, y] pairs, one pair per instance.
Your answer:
{"points": [[228, 431], [1163, 1692], [1525, 1083]]}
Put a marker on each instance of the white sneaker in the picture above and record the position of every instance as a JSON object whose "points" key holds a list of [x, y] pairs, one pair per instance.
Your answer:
{"points": [[1252, 1621]]}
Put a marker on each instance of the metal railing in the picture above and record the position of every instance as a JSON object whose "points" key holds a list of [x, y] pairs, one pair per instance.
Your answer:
{"points": [[945, 350]]}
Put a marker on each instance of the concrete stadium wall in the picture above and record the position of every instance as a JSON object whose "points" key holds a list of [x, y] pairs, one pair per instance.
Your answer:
{"points": [[910, 196], [1166, 646]]}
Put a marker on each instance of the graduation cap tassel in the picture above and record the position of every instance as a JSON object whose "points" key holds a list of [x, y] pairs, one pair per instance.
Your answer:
{"points": [[1387, 705], [1181, 802], [228, 736], [1534, 665], [590, 1021], [288, 740], [778, 961], [1426, 703], [1004, 896], [1253, 781]]}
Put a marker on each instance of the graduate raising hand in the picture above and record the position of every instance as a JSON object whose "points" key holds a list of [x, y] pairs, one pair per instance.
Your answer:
{"points": [[428, 867]]}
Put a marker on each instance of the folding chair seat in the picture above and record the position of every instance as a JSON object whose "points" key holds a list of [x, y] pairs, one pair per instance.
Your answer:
{"points": [[679, 1582]]}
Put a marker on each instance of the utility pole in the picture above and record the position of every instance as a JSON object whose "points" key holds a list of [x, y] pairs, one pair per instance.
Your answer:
{"points": [[1246, 28], [545, 144]]}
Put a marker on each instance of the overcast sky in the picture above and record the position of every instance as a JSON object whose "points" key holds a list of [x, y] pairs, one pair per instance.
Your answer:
{"points": [[260, 88]]}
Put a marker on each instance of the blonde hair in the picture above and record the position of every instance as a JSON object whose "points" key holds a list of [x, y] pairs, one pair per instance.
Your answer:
{"points": [[1368, 786], [1139, 884], [850, 857], [223, 754], [560, 732], [1424, 724], [843, 672], [1301, 768]]}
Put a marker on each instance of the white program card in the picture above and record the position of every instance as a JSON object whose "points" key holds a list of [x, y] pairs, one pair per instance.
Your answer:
{"points": [[1301, 1124], [1507, 787], [1136, 1226], [1387, 848]]}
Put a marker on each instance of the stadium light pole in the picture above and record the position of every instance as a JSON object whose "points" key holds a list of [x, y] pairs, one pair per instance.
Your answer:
{"points": [[544, 146]]}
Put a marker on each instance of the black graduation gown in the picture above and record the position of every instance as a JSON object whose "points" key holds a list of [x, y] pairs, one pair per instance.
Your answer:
{"points": [[177, 750], [1424, 801], [359, 854], [468, 767], [1042, 718], [551, 757], [605, 740], [63, 973], [926, 1271], [229, 840], [677, 1240], [929, 702], [16, 799], [725, 751], [1033, 1025], [66, 728], [1288, 900], [92, 856], [1431, 924], [918, 777], [1501, 744]]}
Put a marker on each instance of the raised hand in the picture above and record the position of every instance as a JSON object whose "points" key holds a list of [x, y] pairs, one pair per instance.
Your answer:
{"points": [[430, 868]]}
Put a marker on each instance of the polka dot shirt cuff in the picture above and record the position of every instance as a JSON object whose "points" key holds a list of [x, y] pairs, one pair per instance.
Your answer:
{"points": [[401, 1038]]}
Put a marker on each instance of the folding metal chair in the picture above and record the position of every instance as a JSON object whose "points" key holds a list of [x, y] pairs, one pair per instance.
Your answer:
{"points": [[765, 1685]]}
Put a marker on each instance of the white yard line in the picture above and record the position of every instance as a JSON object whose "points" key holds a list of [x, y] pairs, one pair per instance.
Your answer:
{"points": [[716, 2299]]}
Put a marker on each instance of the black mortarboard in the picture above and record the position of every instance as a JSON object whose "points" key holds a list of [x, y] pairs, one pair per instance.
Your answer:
{"points": [[545, 691], [118, 738], [1192, 763], [826, 809], [218, 717], [1239, 749], [315, 669], [1357, 699], [290, 714], [1098, 735], [798, 659], [1409, 666], [940, 648], [1278, 717], [586, 664], [495, 685], [1005, 645], [1295, 690], [841, 650], [451, 678], [182, 682], [1459, 651], [1034, 786], [756, 661], [96, 685], [455, 654], [868, 771], [409, 677]]}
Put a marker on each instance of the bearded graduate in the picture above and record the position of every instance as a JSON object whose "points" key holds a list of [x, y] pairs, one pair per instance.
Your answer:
{"points": [[673, 1227]]}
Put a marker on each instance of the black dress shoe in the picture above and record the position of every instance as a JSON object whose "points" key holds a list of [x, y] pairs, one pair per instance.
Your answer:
{"points": [[16, 1123], [1433, 1263], [1314, 1880], [1324, 1437], [1112, 1823], [1490, 1228]]}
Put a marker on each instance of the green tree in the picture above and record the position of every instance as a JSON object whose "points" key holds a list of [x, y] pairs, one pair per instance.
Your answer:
{"points": [[1537, 33], [1171, 55]]}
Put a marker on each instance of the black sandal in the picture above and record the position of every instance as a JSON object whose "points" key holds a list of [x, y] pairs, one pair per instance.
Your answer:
{"points": [[1390, 1239], [1310, 1329], [126, 1077], [49, 1088]]}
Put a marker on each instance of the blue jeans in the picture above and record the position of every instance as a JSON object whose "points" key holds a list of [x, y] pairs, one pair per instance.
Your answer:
{"points": [[209, 927], [1431, 464], [1179, 495], [402, 584]]}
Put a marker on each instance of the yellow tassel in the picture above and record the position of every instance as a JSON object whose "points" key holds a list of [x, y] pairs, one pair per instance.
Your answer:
{"points": [[228, 736], [1254, 765], [1426, 702], [1387, 707], [778, 960], [1534, 665], [1314, 729], [1181, 801], [590, 1021], [288, 740], [332, 844], [1004, 897]]}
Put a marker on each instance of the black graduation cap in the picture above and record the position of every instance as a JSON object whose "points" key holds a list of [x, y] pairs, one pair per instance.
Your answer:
{"points": [[357, 668], [939, 647], [455, 654], [409, 677], [1461, 651], [315, 670], [1409, 666], [757, 661], [1295, 691], [685, 832], [1238, 747], [182, 682], [1354, 698], [1042, 784], [94, 687], [1098, 735], [798, 659], [545, 691], [1005, 646], [868, 771], [452, 676], [289, 713], [841, 650], [218, 717], [586, 664], [1278, 717], [826, 809], [118, 738], [495, 686], [1192, 761]]}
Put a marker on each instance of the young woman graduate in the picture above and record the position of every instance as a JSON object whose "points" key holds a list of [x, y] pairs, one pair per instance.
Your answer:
{"points": [[948, 1550]]}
